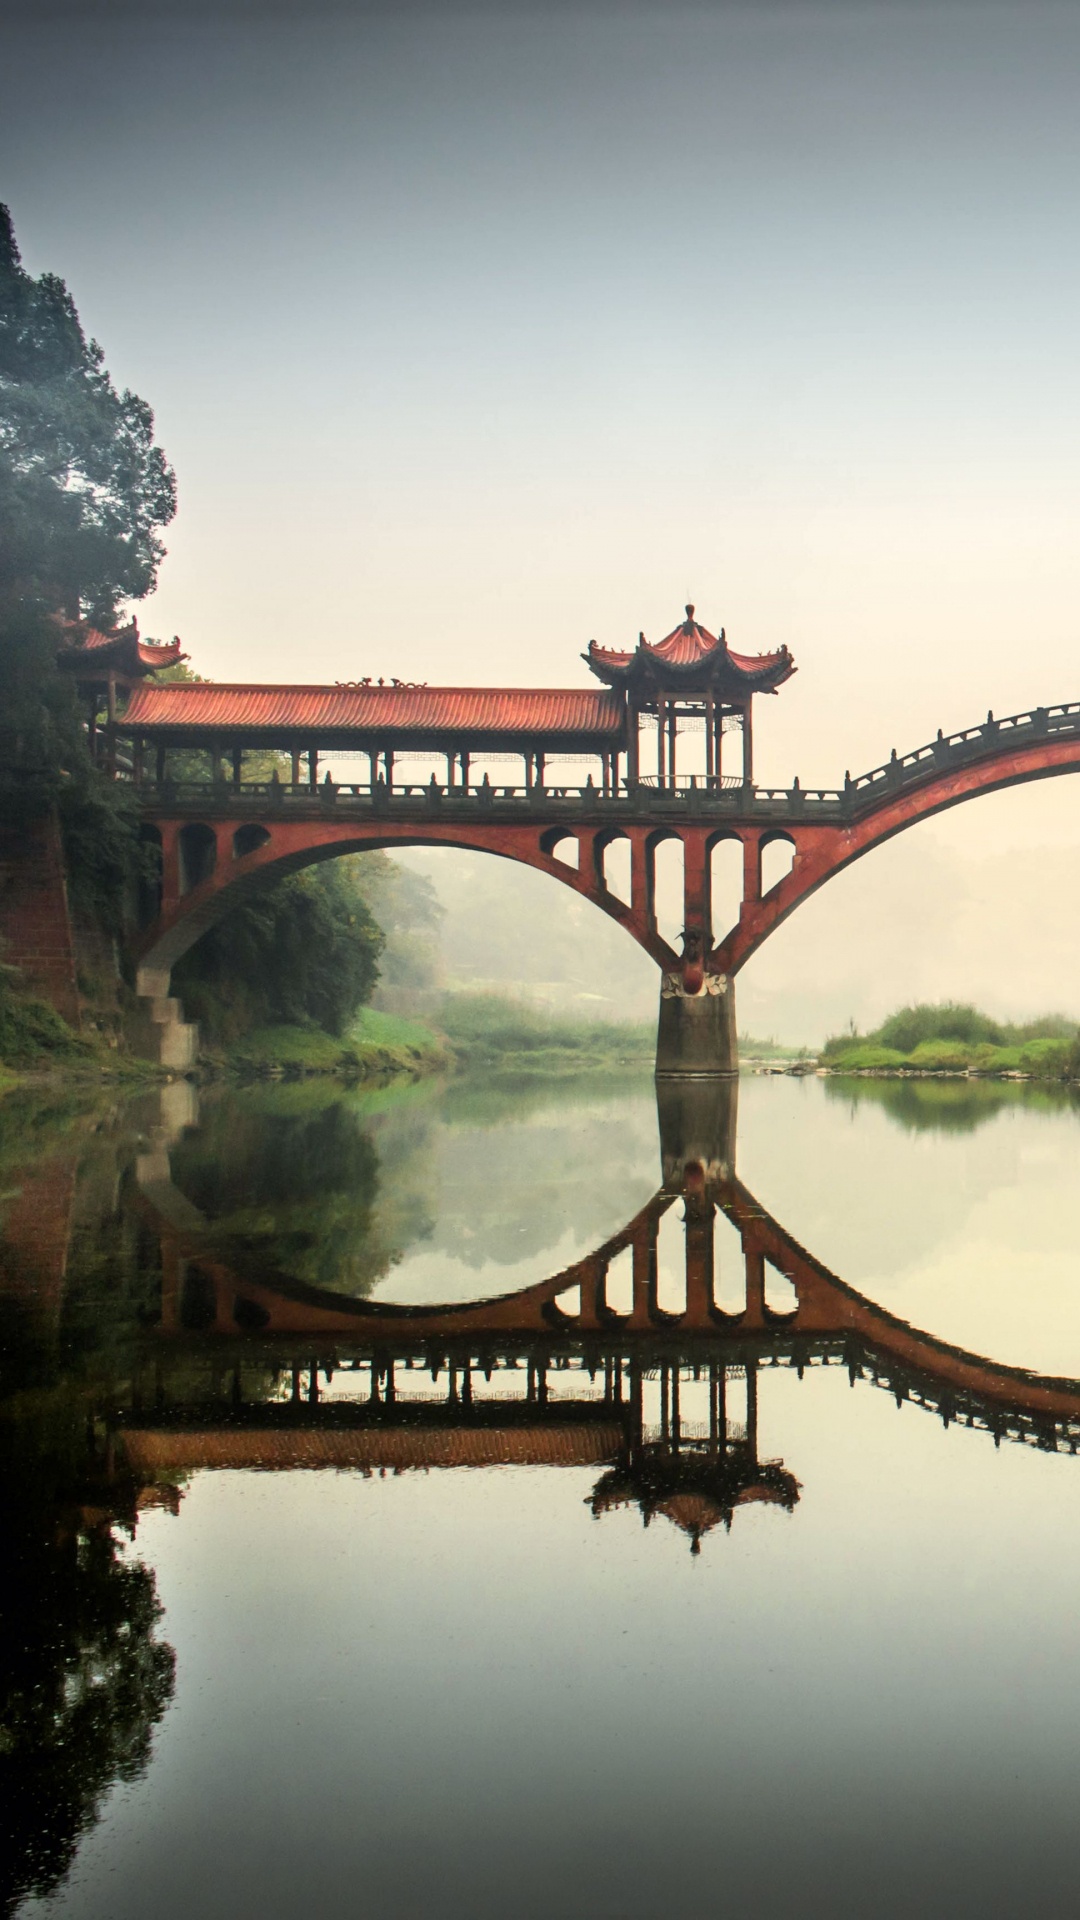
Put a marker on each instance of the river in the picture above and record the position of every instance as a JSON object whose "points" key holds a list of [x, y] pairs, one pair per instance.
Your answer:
{"points": [[478, 1499]]}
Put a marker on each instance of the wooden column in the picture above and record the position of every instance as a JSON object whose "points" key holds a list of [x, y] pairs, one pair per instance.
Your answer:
{"points": [[465, 763], [237, 764], [633, 745], [296, 766], [747, 746], [661, 741], [388, 761], [111, 711], [313, 767], [710, 740], [672, 731]]}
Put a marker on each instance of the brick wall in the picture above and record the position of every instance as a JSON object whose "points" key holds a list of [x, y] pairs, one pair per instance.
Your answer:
{"points": [[35, 926]]}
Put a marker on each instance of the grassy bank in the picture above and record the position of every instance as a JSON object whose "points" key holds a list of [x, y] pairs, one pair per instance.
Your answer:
{"points": [[374, 1044], [36, 1043], [491, 1034], [958, 1039]]}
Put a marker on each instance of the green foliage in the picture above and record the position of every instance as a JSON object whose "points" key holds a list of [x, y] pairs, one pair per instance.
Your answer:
{"points": [[957, 1038], [303, 952], [489, 1031], [287, 1191], [83, 493], [83, 488], [373, 1043], [910, 1027], [862, 1056], [30, 1032], [99, 822]]}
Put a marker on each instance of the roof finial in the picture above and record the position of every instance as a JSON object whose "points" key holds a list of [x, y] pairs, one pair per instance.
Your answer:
{"points": [[689, 609]]}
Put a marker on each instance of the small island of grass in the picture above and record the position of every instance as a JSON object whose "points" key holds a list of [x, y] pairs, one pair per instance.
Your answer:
{"points": [[954, 1038]]}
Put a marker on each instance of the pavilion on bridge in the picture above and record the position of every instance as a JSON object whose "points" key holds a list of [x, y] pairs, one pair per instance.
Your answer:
{"points": [[688, 682]]}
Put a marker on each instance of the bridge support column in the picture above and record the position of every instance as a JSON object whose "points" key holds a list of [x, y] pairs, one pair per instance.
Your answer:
{"points": [[696, 1031]]}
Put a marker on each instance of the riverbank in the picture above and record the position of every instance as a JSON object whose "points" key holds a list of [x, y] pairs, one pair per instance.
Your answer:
{"points": [[374, 1045]]}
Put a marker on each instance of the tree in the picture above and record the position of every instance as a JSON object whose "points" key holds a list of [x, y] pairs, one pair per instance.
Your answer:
{"points": [[305, 950], [84, 491]]}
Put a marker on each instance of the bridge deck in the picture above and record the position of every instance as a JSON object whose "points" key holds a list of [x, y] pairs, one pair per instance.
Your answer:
{"points": [[691, 798]]}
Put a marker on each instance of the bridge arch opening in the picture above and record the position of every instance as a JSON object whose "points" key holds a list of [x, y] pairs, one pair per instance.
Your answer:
{"points": [[777, 859], [568, 1303], [198, 1300], [614, 863], [781, 1299], [671, 1263], [150, 879], [197, 850], [667, 909], [248, 839], [564, 847], [619, 1284], [726, 882], [729, 1267]]}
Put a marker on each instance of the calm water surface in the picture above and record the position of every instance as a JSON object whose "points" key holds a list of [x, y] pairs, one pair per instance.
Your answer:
{"points": [[734, 1571]]}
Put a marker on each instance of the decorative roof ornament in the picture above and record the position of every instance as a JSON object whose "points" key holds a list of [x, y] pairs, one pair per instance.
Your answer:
{"points": [[690, 659]]}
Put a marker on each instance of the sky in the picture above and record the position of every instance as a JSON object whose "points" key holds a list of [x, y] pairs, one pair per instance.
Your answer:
{"points": [[477, 332]]}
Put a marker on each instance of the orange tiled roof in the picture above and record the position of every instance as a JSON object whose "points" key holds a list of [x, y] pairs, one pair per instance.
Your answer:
{"points": [[124, 648], [526, 711], [689, 646]]}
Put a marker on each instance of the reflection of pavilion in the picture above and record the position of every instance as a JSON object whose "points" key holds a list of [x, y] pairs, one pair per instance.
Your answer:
{"points": [[696, 1483]]}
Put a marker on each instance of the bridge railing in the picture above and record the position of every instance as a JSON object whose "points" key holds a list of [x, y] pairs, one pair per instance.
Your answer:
{"points": [[693, 797], [956, 749]]}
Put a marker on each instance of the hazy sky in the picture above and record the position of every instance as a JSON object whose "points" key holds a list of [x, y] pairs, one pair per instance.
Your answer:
{"points": [[475, 332]]}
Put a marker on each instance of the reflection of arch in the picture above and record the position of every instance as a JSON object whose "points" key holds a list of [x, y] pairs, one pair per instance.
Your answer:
{"points": [[828, 1322]]}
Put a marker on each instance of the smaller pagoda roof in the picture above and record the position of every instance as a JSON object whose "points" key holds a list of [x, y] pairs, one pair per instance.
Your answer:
{"points": [[92, 652], [691, 659]]}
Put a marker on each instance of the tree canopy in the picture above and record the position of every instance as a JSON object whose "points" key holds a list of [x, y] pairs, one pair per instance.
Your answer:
{"points": [[84, 493], [84, 488]]}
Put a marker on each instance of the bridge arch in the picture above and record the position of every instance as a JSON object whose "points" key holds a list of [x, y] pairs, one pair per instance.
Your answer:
{"points": [[237, 862], [824, 849]]}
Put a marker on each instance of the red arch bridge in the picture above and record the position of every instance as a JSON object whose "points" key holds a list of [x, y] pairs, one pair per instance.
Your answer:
{"points": [[583, 778]]}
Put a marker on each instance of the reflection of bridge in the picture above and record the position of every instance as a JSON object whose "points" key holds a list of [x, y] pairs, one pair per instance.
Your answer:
{"points": [[221, 837], [615, 1362]]}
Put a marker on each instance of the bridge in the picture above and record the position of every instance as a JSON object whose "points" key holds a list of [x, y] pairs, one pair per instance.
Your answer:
{"points": [[601, 782]]}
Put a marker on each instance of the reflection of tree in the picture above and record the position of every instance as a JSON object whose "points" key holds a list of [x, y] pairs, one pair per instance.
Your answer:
{"points": [[83, 1681], [83, 1677], [290, 1184], [940, 1105]]}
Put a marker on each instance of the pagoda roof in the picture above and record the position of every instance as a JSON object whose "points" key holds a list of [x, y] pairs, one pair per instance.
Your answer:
{"points": [[119, 650], [692, 658], [576, 716]]}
